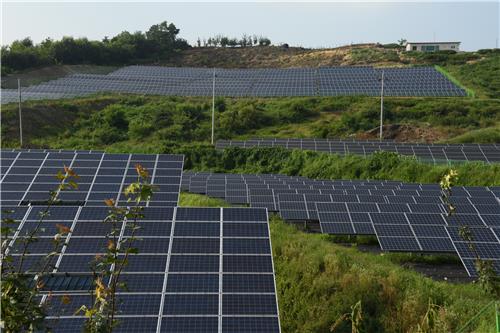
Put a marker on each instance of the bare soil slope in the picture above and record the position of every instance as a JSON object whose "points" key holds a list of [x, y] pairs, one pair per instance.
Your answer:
{"points": [[279, 57]]}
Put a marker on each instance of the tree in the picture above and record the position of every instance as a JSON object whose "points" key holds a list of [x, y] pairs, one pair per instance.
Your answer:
{"points": [[244, 41], [224, 41], [264, 41], [163, 35], [233, 42]]}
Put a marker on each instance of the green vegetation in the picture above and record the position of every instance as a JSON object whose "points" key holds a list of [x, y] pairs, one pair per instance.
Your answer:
{"points": [[374, 55], [20, 309], [315, 275], [197, 200], [483, 75], [147, 122], [486, 135], [107, 120], [314, 279], [445, 57], [470, 92], [455, 115], [381, 165], [159, 41], [226, 41]]}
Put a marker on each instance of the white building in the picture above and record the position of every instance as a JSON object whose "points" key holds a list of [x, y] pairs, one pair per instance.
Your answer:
{"points": [[432, 46]]}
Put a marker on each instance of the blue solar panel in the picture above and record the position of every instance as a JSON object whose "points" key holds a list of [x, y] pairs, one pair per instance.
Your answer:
{"points": [[198, 304], [193, 283]]}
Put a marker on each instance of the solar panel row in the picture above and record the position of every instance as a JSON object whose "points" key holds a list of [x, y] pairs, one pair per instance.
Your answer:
{"points": [[197, 269], [28, 176], [336, 81], [436, 153], [209, 266], [403, 216]]}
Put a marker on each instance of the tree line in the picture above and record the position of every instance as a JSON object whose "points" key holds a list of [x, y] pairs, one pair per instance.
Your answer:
{"points": [[225, 41], [161, 41]]}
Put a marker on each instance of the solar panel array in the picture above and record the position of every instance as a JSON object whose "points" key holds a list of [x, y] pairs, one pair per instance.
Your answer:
{"points": [[403, 216], [28, 176], [335, 81], [197, 269], [436, 153]]}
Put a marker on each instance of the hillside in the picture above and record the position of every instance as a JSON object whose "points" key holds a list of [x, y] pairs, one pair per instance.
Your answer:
{"points": [[42, 74], [279, 57], [477, 71], [149, 121], [314, 273]]}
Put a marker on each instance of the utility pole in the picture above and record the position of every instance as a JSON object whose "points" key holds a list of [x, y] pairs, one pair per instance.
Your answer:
{"points": [[213, 106], [20, 117], [382, 106]]}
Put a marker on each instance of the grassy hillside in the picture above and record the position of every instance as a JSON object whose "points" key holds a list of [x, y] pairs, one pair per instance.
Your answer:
{"points": [[315, 279], [482, 76], [151, 121], [477, 71]]}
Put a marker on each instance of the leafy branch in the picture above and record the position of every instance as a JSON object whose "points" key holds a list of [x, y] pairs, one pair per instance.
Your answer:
{"points": [[487, 277], [109, 267], [20, 287], [355, 317]]}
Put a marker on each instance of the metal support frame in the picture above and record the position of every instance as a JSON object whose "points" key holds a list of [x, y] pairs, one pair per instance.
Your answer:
{"points": [[381, 106], [213, 106], [20, 117]]}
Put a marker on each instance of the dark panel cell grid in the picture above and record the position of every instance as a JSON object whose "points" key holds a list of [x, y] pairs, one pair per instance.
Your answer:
{"points": [[191, 304], [247, 264], [246, 246], [241, 304], [194, 263], [192, 283], [197, 214], [244, 214], [190, 324], [195, 245]]}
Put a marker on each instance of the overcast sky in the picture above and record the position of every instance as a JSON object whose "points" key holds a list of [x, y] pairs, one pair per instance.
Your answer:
{"points": [[475, 24]]}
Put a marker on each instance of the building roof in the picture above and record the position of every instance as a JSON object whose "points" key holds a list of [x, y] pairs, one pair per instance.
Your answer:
{"points": [[432, 43]]}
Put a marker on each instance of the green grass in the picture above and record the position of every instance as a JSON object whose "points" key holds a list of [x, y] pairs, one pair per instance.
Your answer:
{"points": [[481, 75], [486, 135], [198, 200], [470, 92], [116, 121], [317, 281], [315, 165]]}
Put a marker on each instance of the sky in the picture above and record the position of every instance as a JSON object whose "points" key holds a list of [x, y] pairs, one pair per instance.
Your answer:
{"points": [[320, 24]]}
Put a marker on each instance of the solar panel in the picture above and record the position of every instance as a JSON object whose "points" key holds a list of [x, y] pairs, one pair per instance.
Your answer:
{"points": [[426, 152], [193, 266], [218, 267], [404, 217], [334, 81], [98, 181]]}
